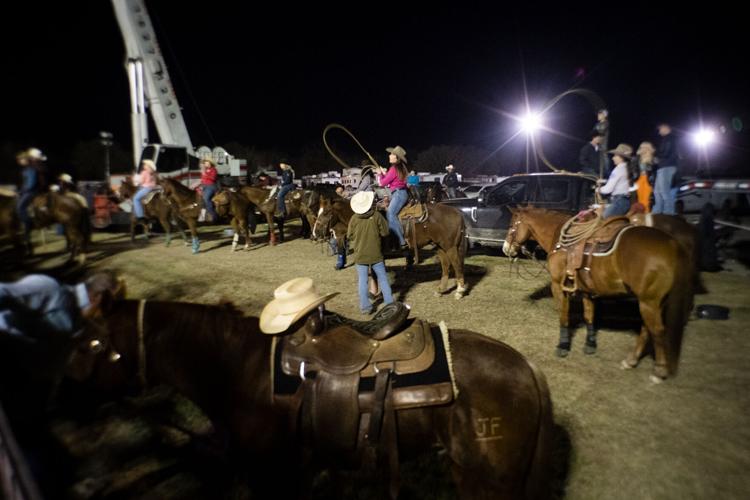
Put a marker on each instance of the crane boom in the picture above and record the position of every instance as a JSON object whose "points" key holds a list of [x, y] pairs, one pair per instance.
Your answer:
{"points": [[150, 85]]}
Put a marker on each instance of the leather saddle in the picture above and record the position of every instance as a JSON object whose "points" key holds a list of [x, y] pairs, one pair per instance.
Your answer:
{"points": [[413, 210], [151, 194], [579, 255], [347, 395]]}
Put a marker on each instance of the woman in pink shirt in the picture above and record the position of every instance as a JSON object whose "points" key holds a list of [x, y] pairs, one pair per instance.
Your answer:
{"points": [[395, 180], [147, 182]]}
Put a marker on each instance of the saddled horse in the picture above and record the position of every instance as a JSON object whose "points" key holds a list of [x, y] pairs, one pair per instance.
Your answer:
{"points": [[310, 201], [645, 262], [55, 208], [260, 197], [10, 225], [439, 224], [332, 219], [497, 431], [187, 205], [229, 203], [157, 208]]}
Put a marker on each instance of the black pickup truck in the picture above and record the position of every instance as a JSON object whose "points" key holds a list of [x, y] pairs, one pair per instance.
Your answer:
{"points": [[487, 218]]}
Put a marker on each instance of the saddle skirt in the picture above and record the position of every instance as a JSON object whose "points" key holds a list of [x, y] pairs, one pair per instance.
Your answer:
{"points": [[150, 196], [603, 240]]}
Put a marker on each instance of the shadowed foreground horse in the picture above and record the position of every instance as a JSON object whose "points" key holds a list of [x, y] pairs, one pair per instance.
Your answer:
{"points": [[54, 208], [232, 204], [10, 225], [647, 263], [442, 226], [259, 197], [158, 208], [497, 432], [187, 205]]}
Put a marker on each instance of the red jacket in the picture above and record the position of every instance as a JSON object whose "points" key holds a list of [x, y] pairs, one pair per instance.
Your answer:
{"points": [[209, 176]]}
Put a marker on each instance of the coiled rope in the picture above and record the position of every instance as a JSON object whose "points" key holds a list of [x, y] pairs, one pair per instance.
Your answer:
{"points": [[575, 231]]}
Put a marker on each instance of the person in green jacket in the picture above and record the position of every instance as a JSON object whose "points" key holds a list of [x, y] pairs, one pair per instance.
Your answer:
{"points": [[366, 229]]}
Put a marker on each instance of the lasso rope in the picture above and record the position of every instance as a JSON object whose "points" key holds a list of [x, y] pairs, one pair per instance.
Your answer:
{"points": [[574, 231], [335, 157]]}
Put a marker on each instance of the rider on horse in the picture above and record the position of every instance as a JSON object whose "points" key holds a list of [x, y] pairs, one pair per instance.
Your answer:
{"points": [[147, 182], [209, 178], [34, 182], [287, 184], [395, 179]]}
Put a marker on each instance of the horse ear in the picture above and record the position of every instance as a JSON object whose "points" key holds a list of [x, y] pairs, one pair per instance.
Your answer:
{"points": [[512, 210]]}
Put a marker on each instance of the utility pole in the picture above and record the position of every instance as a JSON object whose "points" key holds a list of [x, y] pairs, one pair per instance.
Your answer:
{"points": [[105, 139]]}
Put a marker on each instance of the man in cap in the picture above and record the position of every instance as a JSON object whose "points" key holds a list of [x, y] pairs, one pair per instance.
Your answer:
{"points": [[588, 157], [287, 184], [602, 128], [667, 163], [450, 181], [618, 184]]}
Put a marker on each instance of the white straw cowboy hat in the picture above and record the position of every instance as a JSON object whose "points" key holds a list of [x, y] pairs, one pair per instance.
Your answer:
{"points": [[149, 163], [449, 167], [622, 149], [209, 160], [399, 152], [66, 178], [291, 301], [35, 154], [362, 201]]}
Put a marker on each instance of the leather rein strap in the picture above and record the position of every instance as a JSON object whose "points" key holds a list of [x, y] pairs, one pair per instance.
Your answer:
{"points": [[141, 343]]}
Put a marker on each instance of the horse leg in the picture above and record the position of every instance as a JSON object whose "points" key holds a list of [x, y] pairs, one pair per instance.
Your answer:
{"points": [[588, 317], [563, 303], [640, 345], [271, 234], [236, 237], [457, 263], [196, 245], [652, 319], [445, 268], [132, 229], [164, 221]]}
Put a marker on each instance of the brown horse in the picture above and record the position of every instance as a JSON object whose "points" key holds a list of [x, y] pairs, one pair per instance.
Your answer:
{"points": [[231, 203], [442, 226], [158, 208], [187, 205], [496, 433], [647, 263], [266, 204], [54, 208]]}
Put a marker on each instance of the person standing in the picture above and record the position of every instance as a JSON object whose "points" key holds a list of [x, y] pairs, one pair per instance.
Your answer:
{"points": [[209, 179], [147, 182], [287, 184], [367, 177], [366, 230], [667, 163], [31, 162], [602, 128], [645, 155], [588, 157], [450, 181], [618, 184], [395, 180]]}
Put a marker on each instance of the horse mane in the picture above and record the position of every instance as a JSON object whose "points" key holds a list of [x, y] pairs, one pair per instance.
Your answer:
{"points": [[178, 186]]}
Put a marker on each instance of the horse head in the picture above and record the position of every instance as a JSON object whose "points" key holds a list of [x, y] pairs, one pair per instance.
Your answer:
{"points": [[221, 202], [518, 232], [325, 219]]}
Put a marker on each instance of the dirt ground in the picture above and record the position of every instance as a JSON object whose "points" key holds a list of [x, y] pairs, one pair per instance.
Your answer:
{"points": [[686, 438]]}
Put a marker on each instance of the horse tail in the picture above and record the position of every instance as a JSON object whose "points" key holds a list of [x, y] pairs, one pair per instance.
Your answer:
{"points": [[539, 477], [677, 306]]}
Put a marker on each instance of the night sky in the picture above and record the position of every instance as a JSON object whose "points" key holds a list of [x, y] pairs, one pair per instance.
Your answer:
{"points": [[274, 75]]}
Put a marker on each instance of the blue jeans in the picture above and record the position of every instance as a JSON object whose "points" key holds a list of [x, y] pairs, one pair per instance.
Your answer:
{"points": [[280, 197], [137, 205], [385, 287], [208, 192], [618, 205], [398, 200], [22, 208], [664, 197]]}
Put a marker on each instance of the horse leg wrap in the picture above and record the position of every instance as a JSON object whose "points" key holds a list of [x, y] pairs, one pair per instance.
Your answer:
{"points": [[168, 240], [235, 241], [196, 245], [590, 346], [340, 262], [563, 347]]}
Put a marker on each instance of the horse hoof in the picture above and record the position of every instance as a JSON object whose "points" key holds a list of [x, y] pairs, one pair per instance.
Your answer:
{"points": [[625, 365], [589, 349], [655, 380], [458, 295], [562, 352]]}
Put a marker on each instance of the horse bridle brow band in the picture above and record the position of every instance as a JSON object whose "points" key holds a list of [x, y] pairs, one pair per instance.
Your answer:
{"points": [[141, 343]]}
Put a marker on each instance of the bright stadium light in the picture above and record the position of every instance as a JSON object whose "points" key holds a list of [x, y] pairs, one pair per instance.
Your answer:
{"points": [[530, 123], [704, 137]]}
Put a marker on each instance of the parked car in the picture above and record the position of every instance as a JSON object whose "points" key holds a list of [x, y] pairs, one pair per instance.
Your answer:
{"points": [[473, 190], [487, 216], [726, 195]]}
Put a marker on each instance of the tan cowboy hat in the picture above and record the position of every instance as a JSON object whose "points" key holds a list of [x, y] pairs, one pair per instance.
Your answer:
{"points": [[399, 152], [291, 301], [449, 167], [362, 202], [66, 178], [284, 165], [622, 149], [149, 163], [35, 154], [209, 160]]}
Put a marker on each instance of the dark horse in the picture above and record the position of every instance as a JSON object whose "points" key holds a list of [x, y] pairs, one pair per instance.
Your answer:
{"points": [[497, 433], [55, 208], [647, 263], [231, 203], [266, 204], [10, 225], [187, 206], [158, 208], [441, 225]]}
